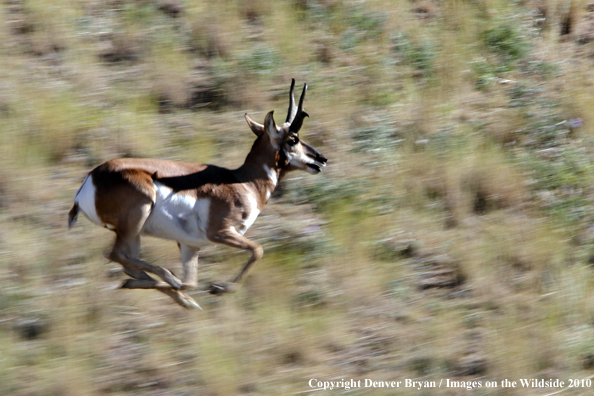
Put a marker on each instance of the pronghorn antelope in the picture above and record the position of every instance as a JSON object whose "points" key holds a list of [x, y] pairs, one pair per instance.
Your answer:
{"points": [[193, 204]]}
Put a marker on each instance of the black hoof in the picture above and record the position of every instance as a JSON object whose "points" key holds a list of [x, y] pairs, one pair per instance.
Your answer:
{"points": [[217, 289], [222, 288]]}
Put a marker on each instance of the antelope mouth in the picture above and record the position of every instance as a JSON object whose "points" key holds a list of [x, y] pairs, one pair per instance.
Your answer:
{"points": [[315, 168]]}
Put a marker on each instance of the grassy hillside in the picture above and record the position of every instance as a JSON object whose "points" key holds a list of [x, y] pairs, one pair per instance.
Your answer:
{"points": [[450, 236]]}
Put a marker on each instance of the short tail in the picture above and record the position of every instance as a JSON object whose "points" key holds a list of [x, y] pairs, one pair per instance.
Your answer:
{"points": [[73, 215]]}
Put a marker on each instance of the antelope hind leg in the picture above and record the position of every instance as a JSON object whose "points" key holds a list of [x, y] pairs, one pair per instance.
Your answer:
{"points": [[180, 298]]}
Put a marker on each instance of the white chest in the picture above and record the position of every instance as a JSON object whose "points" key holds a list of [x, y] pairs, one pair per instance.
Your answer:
{"points": [[252, 214]]}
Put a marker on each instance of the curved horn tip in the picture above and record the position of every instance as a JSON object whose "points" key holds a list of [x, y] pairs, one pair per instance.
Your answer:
{"points": [[301, 99]]}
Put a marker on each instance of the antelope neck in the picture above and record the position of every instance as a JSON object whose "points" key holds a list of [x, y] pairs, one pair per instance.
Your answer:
{"points": [[261, 175]]}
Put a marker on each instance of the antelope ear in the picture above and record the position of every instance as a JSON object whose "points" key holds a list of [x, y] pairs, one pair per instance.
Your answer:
{"points": [[258, 129], [271, 128]]}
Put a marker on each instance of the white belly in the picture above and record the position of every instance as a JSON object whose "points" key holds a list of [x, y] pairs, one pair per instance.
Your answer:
{"points": [[178, 217]]}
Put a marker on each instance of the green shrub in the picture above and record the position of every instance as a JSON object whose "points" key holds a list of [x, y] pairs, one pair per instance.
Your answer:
{"points": [[484, 74], [364, 25], [505, 41], [370, 23], [263, 59], [418, 54], [378, 138]]}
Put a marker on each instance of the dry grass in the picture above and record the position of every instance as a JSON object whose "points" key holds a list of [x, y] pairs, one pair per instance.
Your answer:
{"points": [[437, 133]]}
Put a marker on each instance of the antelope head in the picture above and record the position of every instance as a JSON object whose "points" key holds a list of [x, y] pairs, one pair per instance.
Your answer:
{"points": [[294, 153]]}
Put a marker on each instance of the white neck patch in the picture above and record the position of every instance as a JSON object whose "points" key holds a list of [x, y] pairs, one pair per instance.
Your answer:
{"points": [[272, 176]]}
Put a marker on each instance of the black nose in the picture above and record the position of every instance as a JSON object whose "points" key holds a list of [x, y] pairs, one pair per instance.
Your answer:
{"points": [[322, 159]]}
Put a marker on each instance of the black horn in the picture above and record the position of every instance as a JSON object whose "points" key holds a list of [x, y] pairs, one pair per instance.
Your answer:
{"points": [[298, 120], [292, 108]]}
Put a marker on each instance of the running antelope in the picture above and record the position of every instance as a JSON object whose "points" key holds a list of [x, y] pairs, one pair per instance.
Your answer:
{"points": [[193, 204]]}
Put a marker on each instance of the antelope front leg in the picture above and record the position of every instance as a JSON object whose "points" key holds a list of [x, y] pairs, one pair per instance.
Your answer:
{"points": [[189, 258], [232, 238]]}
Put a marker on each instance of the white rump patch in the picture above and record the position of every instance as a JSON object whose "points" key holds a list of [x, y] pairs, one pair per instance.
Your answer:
{"points": [[85, 198]]}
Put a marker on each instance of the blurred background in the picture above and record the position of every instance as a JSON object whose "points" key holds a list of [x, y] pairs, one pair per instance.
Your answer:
{"points": [[450, 236]]}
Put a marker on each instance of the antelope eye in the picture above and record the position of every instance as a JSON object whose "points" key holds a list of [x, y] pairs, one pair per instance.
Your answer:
{"points": [[293, 141]]}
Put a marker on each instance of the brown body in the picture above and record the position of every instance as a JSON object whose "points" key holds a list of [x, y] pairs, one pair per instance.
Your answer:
{"points": [[193, 204]]}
